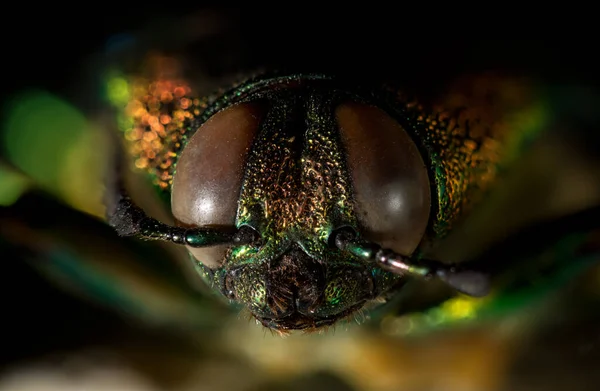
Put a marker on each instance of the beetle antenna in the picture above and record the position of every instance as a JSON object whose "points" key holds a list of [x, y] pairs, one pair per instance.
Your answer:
{"points": [[465, 280], [128, 219]]}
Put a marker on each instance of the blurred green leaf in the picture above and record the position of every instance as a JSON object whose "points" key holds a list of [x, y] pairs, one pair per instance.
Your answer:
{"points": [[12, 185]]}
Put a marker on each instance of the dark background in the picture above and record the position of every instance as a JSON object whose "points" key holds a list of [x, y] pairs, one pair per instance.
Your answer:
{"points": [[46, 45]]}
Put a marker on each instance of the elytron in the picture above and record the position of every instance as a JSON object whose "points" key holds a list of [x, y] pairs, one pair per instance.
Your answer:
{"points": [[306, 197]]}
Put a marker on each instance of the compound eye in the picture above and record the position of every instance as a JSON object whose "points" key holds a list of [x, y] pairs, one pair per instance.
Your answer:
{"points": [[207, 182], [390, 181]]}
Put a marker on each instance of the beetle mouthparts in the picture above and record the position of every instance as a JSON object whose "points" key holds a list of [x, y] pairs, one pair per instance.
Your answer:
{"points": [[295, 283]]}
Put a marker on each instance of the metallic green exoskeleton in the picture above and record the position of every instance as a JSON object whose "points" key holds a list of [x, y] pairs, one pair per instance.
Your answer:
{"points": [[307, 197]]}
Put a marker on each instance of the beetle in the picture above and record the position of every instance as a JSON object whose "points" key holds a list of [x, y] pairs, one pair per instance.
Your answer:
{"points": [[464, 165], [306, 197]]}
